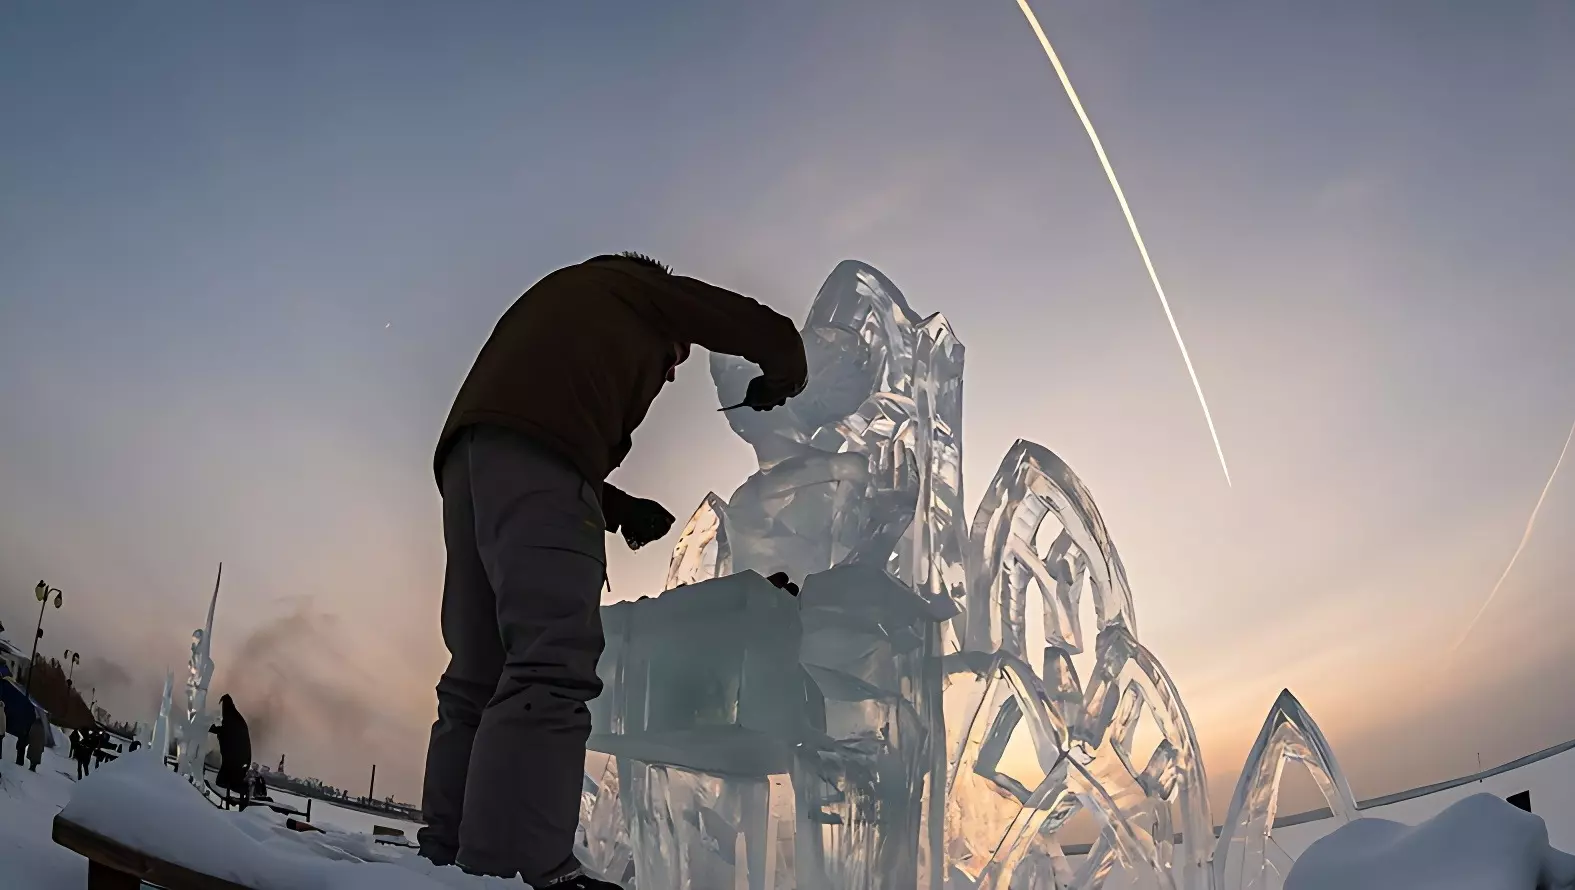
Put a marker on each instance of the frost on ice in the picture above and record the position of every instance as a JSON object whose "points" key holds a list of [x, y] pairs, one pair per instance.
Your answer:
{"points": [[915, 718]]}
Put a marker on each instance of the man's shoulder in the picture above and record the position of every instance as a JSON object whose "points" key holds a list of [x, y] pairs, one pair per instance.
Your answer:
{"points": [[592, 275]]}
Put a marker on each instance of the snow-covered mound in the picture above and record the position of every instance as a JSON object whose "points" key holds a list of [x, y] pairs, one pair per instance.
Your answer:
{"points": [[1478, 843]]}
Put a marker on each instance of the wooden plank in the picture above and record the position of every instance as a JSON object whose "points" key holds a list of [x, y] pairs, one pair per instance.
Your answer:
{"points": [[111, 862]]}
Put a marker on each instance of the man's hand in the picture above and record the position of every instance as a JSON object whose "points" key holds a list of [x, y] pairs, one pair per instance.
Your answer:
{"points": [[642, 521], [765, 393]]}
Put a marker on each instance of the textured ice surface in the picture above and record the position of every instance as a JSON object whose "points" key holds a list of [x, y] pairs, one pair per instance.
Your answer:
{"points": [[869, 650], [865, 465], [1478, 843], [914, 718]]}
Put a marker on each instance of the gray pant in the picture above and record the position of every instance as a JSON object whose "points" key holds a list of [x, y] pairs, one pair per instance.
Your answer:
{"points": [[526, 562]]}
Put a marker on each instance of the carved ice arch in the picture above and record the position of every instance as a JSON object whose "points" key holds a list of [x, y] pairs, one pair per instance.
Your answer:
{"points": [[1247, 857]]}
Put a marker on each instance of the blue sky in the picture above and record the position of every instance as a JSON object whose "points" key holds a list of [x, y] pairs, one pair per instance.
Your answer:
{"points": [[247, 252]]}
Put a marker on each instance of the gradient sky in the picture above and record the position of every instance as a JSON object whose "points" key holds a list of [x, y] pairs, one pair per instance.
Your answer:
{"points": [[248, 251]]}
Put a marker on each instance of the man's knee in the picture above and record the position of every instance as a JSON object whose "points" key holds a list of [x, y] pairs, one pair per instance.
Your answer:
{"points": [[463, 700]]}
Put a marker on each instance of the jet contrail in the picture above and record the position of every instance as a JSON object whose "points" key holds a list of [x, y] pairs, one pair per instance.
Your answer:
{"points": [[1530, 524], [1137, 238]]}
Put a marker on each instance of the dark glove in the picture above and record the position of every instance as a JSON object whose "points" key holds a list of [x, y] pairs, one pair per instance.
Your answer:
{"points": [[642, 521], [765, 393]]}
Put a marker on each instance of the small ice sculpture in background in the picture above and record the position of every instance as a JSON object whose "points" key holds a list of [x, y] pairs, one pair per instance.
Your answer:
{"points": [[191, 734], [160, 740], [914, 718]]}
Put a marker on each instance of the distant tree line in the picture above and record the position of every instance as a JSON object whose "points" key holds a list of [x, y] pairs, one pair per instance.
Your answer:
{"points": [[50, 689]]}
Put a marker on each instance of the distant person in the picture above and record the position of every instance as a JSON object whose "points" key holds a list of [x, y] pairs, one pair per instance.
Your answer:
{"points": [[76, 741], [235, 750], [35, 743], [259, 788], [547, 411], [29, 717], [82, 753]]}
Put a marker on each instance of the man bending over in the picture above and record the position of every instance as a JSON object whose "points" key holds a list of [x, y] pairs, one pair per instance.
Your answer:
{"points": [[545, 414]]}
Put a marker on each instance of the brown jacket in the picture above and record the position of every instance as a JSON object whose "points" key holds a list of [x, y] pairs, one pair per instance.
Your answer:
{"points": [[577, 360]]}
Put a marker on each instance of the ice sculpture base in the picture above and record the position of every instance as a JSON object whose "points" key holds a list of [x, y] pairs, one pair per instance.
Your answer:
{"points": [[725, 751], [705, 677]]}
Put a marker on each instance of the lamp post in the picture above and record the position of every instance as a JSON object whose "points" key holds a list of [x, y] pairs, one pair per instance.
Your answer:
{"points": [[72, 658], [42, 591]]}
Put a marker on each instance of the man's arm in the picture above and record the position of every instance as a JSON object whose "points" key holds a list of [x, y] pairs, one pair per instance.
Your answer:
{"points": [[722, 321]]}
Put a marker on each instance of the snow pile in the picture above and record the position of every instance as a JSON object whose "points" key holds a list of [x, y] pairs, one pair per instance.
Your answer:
{"points": [[1477, 843], [139, 802]]}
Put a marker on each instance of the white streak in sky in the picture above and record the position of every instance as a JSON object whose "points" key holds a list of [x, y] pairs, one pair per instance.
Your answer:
{"points": [[1137, 238], [1530, 524]]}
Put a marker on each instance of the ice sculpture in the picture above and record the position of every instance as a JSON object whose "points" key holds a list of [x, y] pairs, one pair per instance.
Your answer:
{"points": [[191, 734], [698, 733], [875, 702], [865, 466], [914, 718], [701, 551], [1247, 856], [160, 740]]}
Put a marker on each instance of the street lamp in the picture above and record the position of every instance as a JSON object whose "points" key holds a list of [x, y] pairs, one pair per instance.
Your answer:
{"points": [[72, 658], [42, 591]]}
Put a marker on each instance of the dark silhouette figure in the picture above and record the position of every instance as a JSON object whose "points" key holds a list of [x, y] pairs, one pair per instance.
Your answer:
{"points": [[548, 410], [76, 741], [82, 753], [235, 750], [23, 731], [35, 744]]}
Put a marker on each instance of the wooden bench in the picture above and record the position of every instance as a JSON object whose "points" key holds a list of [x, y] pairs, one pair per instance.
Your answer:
{"points": [[115, 866]]}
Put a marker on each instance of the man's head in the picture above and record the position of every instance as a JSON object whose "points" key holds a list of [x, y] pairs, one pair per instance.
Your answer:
{"points": [[637, 257]]}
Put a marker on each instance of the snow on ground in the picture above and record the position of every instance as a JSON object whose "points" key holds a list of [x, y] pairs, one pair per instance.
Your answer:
{"points": [[1477, 842], [28, 804], [1551, 782], [138, 801], [329, 815]]}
